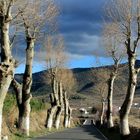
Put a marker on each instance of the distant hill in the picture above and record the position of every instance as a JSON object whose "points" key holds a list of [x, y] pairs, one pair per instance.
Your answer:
{"points": [[88, 80]]}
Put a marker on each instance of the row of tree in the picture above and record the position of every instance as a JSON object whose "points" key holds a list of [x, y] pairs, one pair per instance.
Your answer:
{"points": [[32, 20], [61, 80], [122, 35], [29, 20]]}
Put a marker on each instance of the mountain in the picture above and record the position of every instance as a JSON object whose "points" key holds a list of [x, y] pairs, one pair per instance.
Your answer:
{"points": [[86, 79], [90, 81]]}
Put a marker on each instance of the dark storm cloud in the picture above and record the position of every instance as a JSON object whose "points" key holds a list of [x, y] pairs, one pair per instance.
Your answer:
{"points": [[81, 23], [81, 14]]}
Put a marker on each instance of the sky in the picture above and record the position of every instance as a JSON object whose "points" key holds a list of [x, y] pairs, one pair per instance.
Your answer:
{"points": [[80, 23]]}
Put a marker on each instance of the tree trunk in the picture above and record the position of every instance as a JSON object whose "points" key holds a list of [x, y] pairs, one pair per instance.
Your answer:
{"points": [[4, 86], [54, 102], [59, 106], [24, 115], [124, 127], [125, 109], [1, 108], [66, 110], [69, 118], [18, 91], [102, 112], [5, 41], [51, 112], [58, 117], [110, 123], [7, 65]]}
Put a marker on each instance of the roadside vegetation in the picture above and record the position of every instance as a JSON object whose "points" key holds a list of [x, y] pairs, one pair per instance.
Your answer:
{"points": [[23, 115]]}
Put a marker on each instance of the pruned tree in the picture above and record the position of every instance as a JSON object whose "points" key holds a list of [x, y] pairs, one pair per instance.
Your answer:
{"points": [[68, 82], [125, 15], [56, 59], [114, 50], [62, 81], [36, 15], [8, 14], [102, 91]]}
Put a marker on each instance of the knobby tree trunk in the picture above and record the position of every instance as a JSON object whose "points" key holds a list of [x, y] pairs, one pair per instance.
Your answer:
{"points": [[59, 106], [23, 93], [54, 103], [58, 117], [7, 65], [125, 109], [4, 86], [26, 89], [50, 116], [66, 110], [113, 75]]}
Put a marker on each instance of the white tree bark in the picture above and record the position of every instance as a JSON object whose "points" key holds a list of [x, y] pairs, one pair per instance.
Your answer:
{"points": [[58, 117], [59, 106], [110, 123], [54, 102], [66, 110], [69, 118], [5, 83], [124, 126], [125, 109], [24, 106], [51, 112], [7, 65], [66, 117], [102, 112]]}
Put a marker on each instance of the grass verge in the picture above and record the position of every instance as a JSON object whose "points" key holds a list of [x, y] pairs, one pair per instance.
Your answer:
{"points": [[18, 136]]}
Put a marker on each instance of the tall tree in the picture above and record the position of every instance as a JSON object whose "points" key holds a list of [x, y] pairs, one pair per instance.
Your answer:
{"points": [[102, 91], [62, 82], [114, 50], [7, 64], [56, 59], [125, 15], [68, 81], [43, 12]]}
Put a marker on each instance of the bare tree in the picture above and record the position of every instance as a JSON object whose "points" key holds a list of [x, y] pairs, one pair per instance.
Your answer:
{"points": [[102, 91], [7, 65], [114, 50], [55, 62], [68, 81], [65, 82], [37, 14], [125, 15]]}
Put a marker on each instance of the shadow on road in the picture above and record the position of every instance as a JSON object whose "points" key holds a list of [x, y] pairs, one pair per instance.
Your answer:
{"points": [[94, 132], [86, 132]]}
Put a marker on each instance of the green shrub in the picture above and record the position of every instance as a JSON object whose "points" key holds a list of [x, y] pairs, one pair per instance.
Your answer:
{"points": [[10, 102], [37, 104]]}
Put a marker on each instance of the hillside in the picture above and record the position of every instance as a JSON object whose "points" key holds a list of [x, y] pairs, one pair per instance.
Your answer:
{"points": [[90, 82]]}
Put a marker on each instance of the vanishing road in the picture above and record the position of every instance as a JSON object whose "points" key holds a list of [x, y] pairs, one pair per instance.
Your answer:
{"points": [[86, 132]]}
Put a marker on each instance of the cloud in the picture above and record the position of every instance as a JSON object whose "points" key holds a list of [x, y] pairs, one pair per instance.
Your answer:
{"points": [[81, 23], [87, 45]]}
